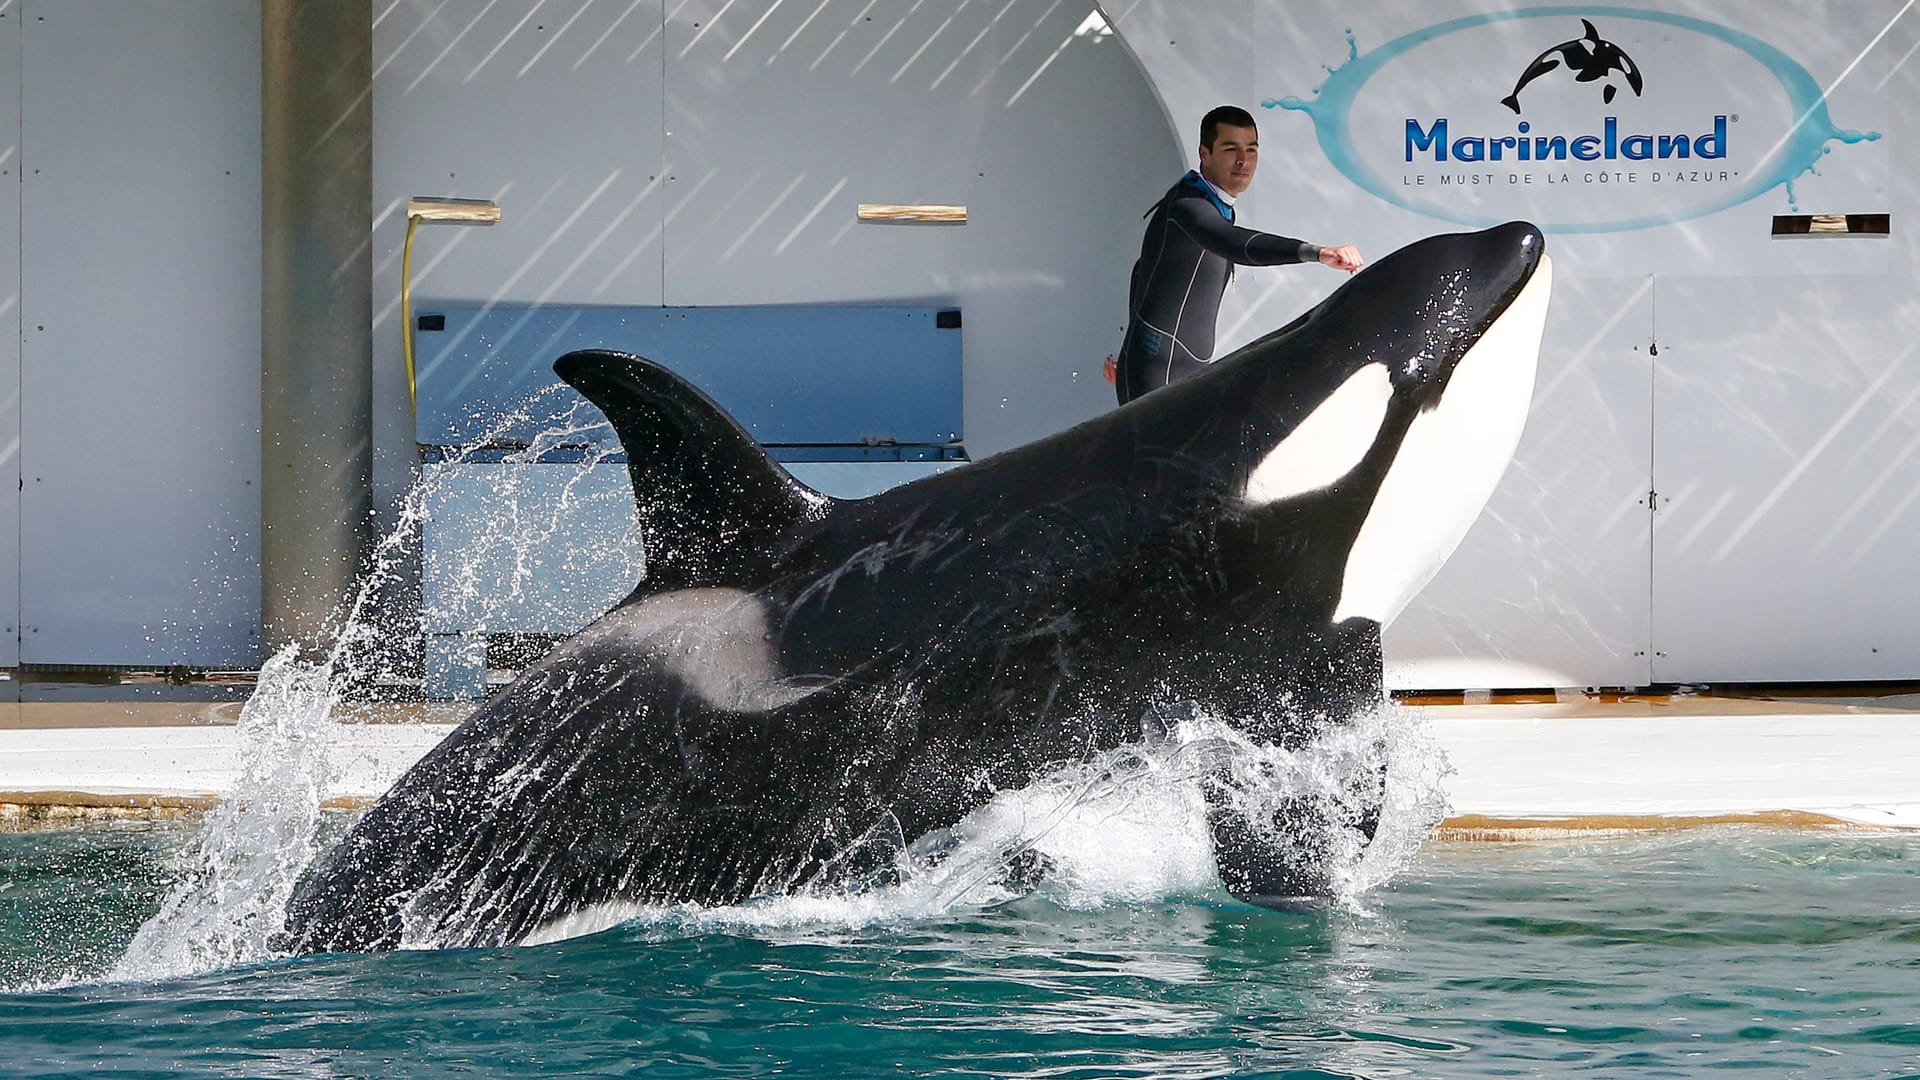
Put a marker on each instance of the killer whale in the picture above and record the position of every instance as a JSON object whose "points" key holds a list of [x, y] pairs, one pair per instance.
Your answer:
{"points": [[800, 684], [1589, 56]]}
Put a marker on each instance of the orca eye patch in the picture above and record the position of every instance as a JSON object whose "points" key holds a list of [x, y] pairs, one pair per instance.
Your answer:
{"points": [[1328, 443]]}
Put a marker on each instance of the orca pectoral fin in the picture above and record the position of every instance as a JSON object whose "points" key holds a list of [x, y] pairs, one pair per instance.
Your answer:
{"points": [[1285, 849], [1290, 862], [1542, 64], [1258, 868], [711, 501]]}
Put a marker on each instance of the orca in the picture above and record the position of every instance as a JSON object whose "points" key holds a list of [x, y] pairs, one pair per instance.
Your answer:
{"points": [[1589, 56], [799, 685]]}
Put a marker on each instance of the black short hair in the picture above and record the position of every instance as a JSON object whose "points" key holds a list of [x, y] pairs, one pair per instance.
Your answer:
{"points": [[1231, 115]]}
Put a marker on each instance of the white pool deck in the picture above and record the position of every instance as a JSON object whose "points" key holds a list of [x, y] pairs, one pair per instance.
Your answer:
{"points": [[1522, 768]]}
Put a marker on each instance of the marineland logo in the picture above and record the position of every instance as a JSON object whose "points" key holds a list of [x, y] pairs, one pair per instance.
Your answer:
{"points": [[1628, 118], [1605, 145], [1590, 57]]}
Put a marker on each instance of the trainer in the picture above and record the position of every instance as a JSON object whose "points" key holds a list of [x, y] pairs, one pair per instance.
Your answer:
{"points": [[1188, 254]]}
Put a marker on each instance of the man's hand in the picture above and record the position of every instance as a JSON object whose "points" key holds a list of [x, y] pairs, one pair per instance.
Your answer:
{"points": [[1110, 370], [1345, 257]]}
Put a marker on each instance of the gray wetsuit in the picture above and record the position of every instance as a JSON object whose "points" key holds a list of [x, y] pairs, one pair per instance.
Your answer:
{"points": [[1188, 254]]}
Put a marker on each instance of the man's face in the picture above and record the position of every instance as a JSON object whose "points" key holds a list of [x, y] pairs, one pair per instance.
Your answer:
{"points": [[1228, 163]]}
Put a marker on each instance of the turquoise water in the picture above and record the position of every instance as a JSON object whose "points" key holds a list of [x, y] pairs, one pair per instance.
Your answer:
{"points": [[1773, 953]]}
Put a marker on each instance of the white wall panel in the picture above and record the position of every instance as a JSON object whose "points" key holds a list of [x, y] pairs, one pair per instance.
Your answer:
{"points": [[9, 338], [1787, 455], [784, 117], [140, 296], [554, 110], [1787, 437]]}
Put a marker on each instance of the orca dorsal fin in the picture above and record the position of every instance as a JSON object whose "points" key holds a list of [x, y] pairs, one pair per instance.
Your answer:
{"points": [[1592, 34], [712, 504]]}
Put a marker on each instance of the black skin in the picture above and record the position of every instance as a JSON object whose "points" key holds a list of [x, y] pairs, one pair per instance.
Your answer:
{"points": [[1590, 57], [799, 686]]}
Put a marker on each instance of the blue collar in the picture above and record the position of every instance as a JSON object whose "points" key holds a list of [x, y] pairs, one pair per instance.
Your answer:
{"points": [[1194, 180]]}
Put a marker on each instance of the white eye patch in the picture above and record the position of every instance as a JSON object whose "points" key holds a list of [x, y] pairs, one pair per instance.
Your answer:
{"points": [[1328, 443], [1449, 462]]}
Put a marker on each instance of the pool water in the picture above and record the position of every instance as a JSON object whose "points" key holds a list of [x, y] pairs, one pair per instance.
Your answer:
{"points": [[1774, 952]]}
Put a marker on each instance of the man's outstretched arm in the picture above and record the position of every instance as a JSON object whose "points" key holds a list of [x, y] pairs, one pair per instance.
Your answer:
{"points": [[1249, 247]]}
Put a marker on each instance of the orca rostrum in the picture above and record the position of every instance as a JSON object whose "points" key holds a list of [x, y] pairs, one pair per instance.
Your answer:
{"points": [[800, 683]]}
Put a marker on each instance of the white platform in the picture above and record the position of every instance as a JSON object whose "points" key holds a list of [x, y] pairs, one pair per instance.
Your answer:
{"points": [[1703, 758], [1581, 764]]}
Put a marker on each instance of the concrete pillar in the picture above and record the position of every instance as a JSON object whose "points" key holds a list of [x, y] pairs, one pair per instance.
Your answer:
{"points": [[316, 316]]}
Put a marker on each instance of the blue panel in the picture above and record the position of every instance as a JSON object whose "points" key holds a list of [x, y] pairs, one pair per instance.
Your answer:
{"points": [[792, 375]]}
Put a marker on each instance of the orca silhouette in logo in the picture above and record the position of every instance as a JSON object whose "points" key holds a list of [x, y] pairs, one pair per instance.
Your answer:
{"points": [[1590, 57], [802, 686]]}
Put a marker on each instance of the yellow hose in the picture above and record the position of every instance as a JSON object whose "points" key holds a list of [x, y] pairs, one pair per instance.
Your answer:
{"points": [[406, 316]]}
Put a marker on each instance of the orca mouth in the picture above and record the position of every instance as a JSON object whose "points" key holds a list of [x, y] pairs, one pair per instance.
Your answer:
{"points": [[1458, 445], [1496, 272], [1523, 237], [1445, 298], [1510, 336], [1422, 308]]}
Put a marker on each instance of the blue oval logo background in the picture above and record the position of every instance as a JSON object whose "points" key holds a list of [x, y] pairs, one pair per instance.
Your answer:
{"points": [[1798, 152]]}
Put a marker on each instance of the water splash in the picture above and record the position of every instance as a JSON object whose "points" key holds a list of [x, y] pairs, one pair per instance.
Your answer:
{"points": [[1127, 827], [253, 846], [236, 877]]}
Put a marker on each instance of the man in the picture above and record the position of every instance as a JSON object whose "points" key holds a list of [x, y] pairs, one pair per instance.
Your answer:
{"points": [[1188, 254]]}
